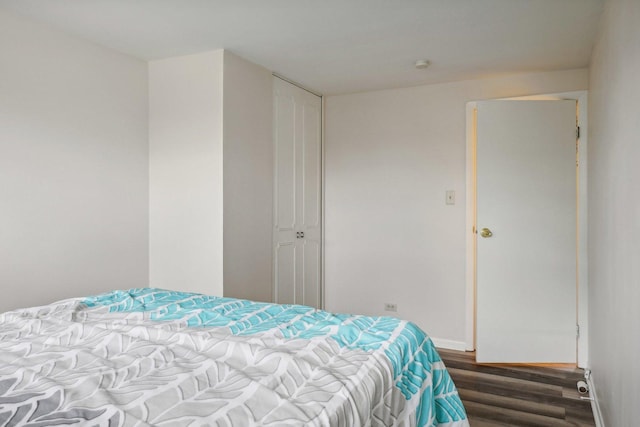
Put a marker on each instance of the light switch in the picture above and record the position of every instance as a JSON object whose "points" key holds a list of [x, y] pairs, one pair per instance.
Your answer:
{"points": [[451, 197]]}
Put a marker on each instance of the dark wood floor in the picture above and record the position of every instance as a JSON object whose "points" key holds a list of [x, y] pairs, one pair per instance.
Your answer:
{"points": [[502, 395]]}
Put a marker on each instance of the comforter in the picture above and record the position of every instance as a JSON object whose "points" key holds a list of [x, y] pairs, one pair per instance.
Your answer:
{"points": [[154, 357]]}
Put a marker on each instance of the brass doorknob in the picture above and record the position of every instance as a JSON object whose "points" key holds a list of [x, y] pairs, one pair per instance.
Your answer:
{"points": [[485, 232]]}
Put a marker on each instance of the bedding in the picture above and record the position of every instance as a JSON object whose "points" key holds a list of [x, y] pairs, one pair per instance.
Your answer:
{"points": [[146, 356]]}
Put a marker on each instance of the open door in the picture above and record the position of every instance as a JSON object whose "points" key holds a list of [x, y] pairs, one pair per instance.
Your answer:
{"points": [[526, 225]]}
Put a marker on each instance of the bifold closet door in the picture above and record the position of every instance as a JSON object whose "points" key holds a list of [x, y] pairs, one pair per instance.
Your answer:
{"points": [[297, 191]]}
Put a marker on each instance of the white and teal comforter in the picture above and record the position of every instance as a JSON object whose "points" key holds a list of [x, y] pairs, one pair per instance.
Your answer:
{"points": [[153, 357]]}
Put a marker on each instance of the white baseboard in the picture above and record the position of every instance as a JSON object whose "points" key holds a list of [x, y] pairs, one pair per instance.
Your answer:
{"points": [[449, 344], [595, 406]]}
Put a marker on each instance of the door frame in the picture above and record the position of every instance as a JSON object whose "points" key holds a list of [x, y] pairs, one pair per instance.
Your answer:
{"points": [[582, 320]]}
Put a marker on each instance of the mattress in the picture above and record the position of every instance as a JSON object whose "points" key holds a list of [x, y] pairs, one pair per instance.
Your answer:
{"points": [[145, 356]]}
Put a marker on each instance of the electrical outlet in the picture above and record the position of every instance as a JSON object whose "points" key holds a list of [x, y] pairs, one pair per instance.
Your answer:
{"points": [[389, 306]]}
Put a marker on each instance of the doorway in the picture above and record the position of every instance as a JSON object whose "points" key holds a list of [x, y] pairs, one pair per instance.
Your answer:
{"points": [[487, 242]]}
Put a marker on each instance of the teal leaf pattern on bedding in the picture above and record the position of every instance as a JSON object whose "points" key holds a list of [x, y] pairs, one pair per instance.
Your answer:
{"points": [[418, 371]]}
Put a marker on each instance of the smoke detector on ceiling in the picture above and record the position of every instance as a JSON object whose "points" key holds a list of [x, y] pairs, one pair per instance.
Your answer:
{"points": [[421, 64]]}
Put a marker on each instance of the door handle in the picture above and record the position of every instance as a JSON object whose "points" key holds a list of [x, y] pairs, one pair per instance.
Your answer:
{"points": [[485, 232]]}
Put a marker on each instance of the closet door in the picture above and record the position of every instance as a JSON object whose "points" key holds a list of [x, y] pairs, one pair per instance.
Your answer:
{"points": [[297, 191]]}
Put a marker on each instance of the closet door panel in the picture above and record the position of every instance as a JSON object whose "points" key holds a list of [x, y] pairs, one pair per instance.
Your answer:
{"points": [[312, 156], [285, 273], [311, 287], [298, 195], [285, 160]]}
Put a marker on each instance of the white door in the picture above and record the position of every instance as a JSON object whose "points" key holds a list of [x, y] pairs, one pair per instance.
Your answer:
{"points": [[297, 204], [526, 256]]}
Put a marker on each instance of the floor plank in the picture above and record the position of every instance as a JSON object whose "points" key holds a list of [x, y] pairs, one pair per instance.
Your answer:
{"points": [[518, 395], [513, 403]]}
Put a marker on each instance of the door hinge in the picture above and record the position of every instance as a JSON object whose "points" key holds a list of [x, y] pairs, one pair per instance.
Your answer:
{"points": [[578, 331], [577, 132], [578, 149]]}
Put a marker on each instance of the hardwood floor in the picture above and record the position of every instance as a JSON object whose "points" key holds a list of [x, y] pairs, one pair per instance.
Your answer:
{"points": [[505, 395]]}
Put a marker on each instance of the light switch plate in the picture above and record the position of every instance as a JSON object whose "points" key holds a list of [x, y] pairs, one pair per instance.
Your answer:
{"points": [[450, 197]]}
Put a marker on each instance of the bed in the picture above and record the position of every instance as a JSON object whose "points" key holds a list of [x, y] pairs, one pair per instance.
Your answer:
{"points": [[145, 356]]}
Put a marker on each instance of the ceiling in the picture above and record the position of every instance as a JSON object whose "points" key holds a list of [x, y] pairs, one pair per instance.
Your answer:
{"points": [[342, 46]]}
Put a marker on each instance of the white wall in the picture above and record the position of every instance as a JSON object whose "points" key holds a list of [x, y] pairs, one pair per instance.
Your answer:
{"points": [[211, 175], [73, 166], [390, 237], [614, 214], [248, 179], [185, 162]]}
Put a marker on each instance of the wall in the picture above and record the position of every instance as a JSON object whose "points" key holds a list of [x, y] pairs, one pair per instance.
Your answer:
{"points": [[211, 175], [389, 158], [185, 173], [73, 166], [614, 214], [248, 179]]}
